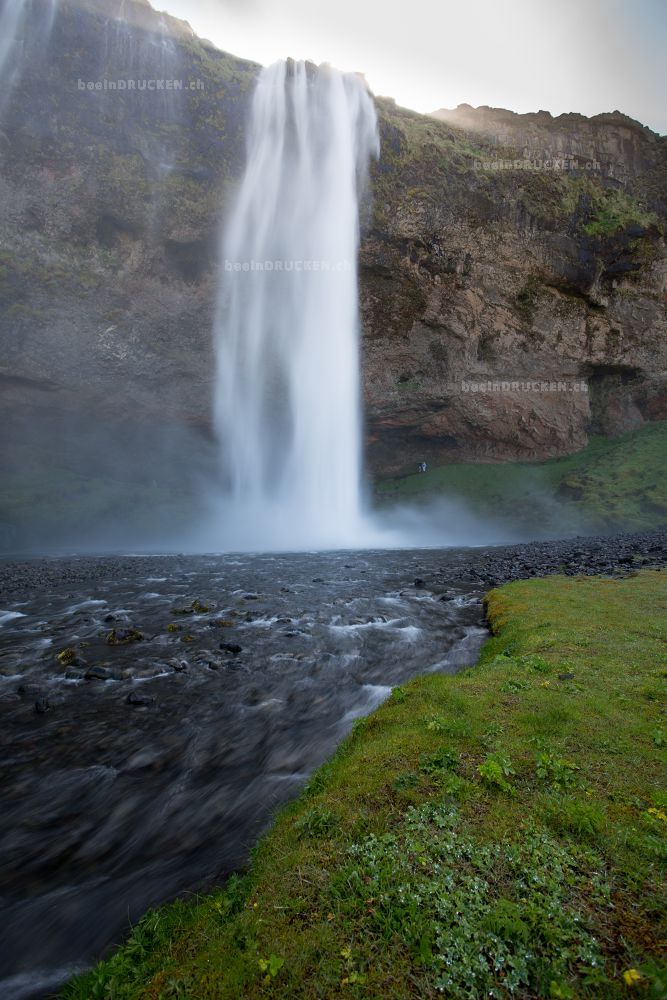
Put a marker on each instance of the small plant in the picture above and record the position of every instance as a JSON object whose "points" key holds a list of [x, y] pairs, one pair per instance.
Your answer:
{"points": [[358, 726], [442, 760], [398, 694], [351, 975], [318, 821], [535, 663], [491, 735], [559, 772], [453, 786], [495, 771], [577, 819], [514, 684], [405, 781], [456, 727], [503, 660], [271, 966]]}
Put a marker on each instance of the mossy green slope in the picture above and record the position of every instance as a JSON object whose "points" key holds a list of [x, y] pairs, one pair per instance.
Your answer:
{"points": [[615, 483], [498, 833]]}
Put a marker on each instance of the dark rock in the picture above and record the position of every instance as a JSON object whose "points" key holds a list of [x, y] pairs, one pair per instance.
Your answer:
{"points": [[231, 647], [419, 583], [98, 674], [42, 706], [565, 677], [134, 698]]}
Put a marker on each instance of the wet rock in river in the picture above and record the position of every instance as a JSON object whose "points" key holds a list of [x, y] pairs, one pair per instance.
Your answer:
{"points": [[139, 700], [66, 657], [231, 647], [99, 674], [122, 636], [194, 608]]}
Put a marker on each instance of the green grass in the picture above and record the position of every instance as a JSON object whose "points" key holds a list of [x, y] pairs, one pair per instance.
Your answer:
{"points": [[498, 833], [614, 483]]}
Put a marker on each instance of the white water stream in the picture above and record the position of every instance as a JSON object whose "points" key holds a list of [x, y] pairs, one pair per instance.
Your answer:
{"points": [[287, 406]]}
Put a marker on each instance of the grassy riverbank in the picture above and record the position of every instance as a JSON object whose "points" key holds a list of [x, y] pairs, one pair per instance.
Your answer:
{"points": [[613, 484], [501, 832]]}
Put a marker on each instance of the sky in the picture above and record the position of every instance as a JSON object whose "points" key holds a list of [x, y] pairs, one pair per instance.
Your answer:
{"points": [[588, 56]]}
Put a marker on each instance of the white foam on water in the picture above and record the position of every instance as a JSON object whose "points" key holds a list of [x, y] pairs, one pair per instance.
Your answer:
{"points": [[45, 981], [372, 696], [88, 603], [10, 616]]}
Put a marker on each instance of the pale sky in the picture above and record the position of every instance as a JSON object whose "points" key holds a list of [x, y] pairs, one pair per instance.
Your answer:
{"points": [[559, 55]]}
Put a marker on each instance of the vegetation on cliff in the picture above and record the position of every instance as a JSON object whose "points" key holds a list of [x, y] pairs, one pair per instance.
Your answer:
{"points": [[614, 483], [498, 833], [424, 159]]}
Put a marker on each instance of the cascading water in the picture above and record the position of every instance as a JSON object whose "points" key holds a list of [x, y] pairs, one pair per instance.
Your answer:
{"points": [[13, 40], [287, 408]]}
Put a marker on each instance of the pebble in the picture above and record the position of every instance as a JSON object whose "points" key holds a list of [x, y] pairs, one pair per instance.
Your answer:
{"points": [[231, 647], [134, 698]]}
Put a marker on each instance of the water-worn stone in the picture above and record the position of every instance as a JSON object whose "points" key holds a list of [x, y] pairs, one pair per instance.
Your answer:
{"points": [[231, 647], [135, 698], [99, 674]]}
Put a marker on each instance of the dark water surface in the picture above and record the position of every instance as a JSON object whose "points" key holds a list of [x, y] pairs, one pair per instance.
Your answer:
{"points": [[148, 762]]}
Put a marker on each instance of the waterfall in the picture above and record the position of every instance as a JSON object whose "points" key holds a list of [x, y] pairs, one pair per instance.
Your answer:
{"points": [[287, 408], [10, 18], [13, 31]]}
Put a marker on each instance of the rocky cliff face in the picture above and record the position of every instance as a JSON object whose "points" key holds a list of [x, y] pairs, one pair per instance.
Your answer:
{"points": [[110, 202], [472, 271], [507, 250]]}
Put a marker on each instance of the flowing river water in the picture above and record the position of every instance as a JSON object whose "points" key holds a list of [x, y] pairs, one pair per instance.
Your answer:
{"points": [[155, 711]]}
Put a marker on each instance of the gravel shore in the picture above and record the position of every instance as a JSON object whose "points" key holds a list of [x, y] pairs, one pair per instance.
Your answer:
{"points": [[490, 565]]}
